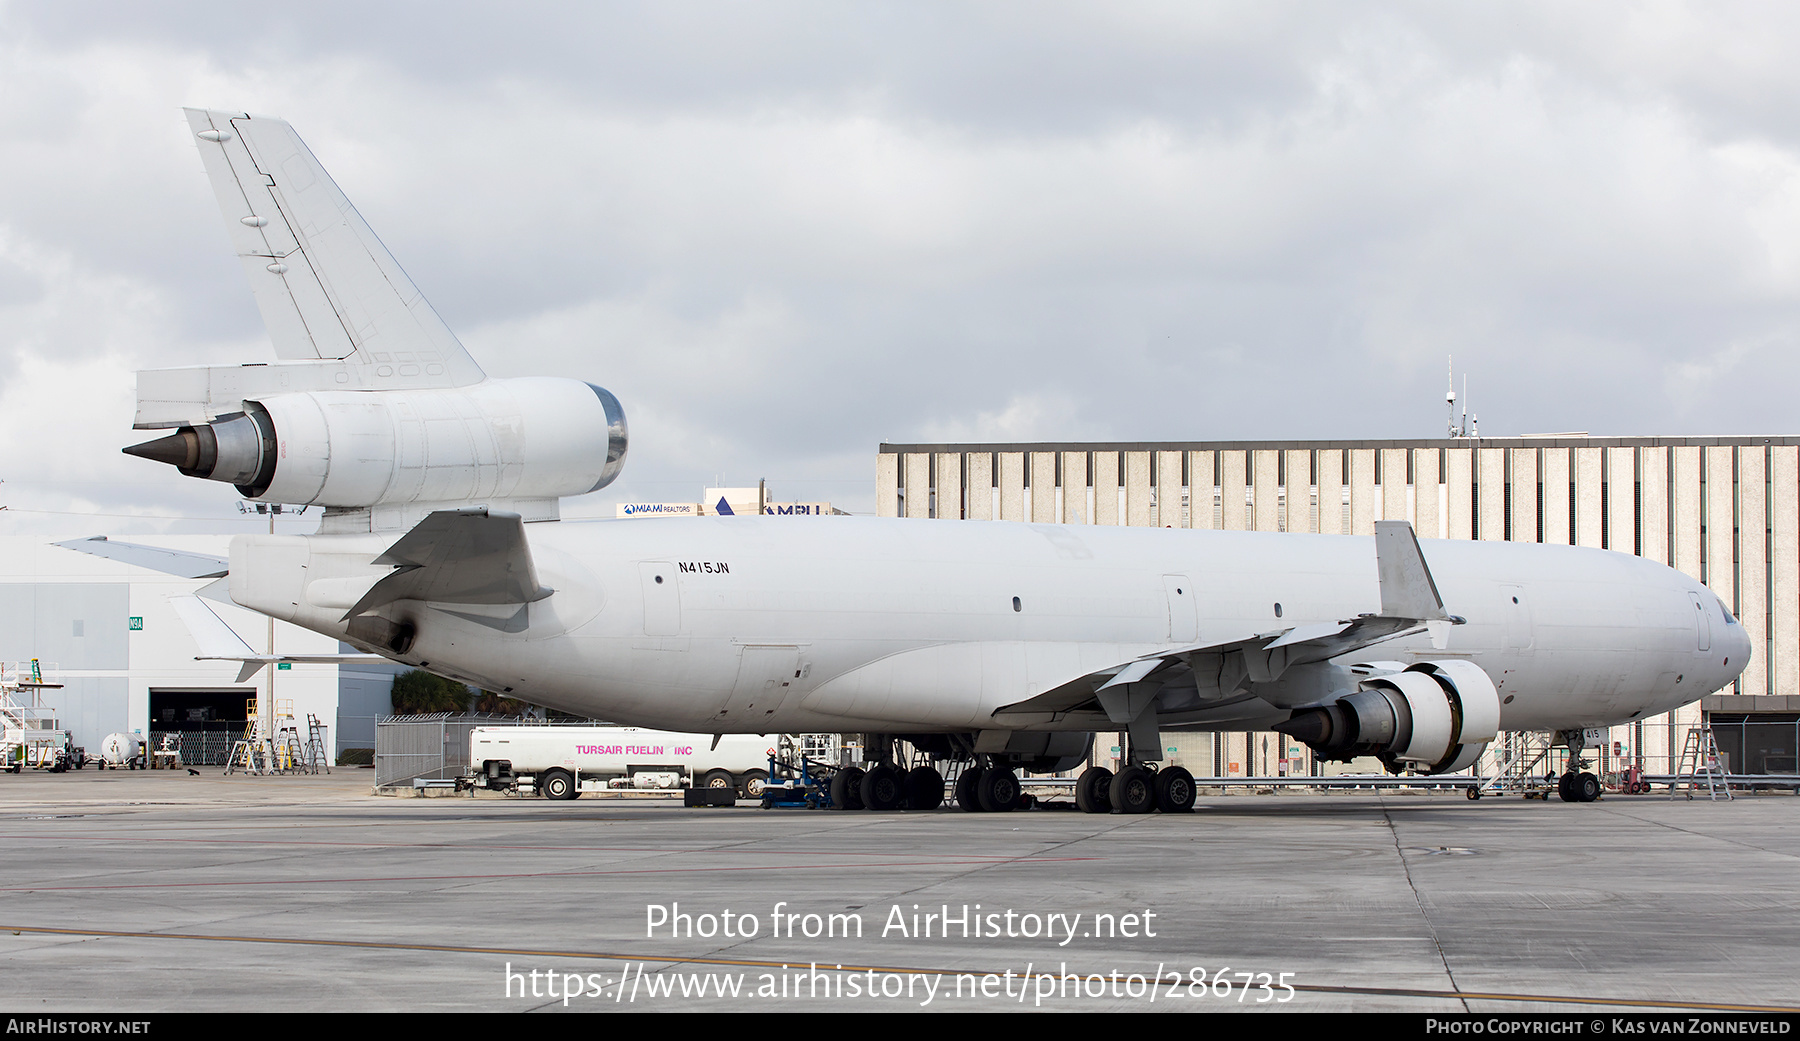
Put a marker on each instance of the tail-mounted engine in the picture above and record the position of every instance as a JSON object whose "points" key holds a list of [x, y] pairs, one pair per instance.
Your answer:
{"points": [[1437, 716], [514, 439]]}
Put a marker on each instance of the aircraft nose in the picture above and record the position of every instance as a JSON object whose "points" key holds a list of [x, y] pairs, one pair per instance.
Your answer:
{"points": [[1740, 650]]}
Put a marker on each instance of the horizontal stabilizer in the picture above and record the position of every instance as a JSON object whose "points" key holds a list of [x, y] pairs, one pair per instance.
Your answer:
{"points": [[220, 642], [467, 556], [167, 561], [215, 638]]}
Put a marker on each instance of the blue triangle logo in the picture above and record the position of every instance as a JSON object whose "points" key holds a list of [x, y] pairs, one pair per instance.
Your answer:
{"points": [[724, 508]]}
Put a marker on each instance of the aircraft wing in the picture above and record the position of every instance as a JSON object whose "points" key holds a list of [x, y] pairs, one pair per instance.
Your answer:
{"points": [[167, 561], [466, 556], [1409, 603]]}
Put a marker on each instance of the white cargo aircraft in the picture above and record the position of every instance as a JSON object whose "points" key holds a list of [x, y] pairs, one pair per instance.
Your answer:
{"points": [[1007, 643]]}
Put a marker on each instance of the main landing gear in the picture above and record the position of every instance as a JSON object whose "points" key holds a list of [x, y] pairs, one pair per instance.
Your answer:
{"points": [[887, 787], [1136, 789], [988, 789]]}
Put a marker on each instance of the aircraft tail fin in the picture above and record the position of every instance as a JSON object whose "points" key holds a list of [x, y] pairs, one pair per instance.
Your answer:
{"points": [[327, 288]]}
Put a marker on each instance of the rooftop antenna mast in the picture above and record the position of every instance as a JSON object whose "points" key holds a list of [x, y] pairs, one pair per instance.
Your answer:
{"points": [[1450, 394], [1468, 426]]}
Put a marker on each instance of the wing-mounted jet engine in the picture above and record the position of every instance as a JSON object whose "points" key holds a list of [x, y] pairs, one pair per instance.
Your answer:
{"points": [[1436, 716], [375, 410]]}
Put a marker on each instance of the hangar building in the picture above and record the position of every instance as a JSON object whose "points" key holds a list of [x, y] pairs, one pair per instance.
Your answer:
{"points": [[106, 631], [1725, 510]]}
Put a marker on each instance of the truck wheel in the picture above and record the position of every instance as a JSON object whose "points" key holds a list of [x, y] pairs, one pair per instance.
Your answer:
{"points": [[754, 781], [718, 779], [557, 784]]}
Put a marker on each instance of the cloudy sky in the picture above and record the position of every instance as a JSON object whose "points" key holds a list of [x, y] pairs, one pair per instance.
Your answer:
{"points": [[783, 233]]}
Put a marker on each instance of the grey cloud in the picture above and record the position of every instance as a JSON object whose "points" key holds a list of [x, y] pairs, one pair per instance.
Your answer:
{"points": [[783, 233]]}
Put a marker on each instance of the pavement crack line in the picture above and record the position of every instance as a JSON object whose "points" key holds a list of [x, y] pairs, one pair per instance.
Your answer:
{"points": [[1419, 899]]}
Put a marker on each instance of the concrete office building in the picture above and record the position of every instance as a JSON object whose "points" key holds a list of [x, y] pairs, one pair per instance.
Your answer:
{"points": [[1725, 510]]}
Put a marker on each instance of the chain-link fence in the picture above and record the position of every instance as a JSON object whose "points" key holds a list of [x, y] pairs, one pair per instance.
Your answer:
{"points": [[435, 746], [197, 747]]}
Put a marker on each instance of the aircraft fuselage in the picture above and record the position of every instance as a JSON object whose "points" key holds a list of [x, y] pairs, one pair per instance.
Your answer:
{"points": [[770, 625]]}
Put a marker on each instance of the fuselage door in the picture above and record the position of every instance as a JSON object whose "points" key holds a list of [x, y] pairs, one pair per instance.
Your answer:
{"points": [[1520, 637], [662, 598], [1184, 613], [766, 676], [1702, 623]]}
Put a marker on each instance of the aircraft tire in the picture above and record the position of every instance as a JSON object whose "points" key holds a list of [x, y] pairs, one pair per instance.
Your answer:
{"points": [[968, 787], [1093, 790], [1133, 790], [883, 788], [1565, 788], [1587, 787], [1175, 790], [924, 788], [999, 790], [846, 789]]}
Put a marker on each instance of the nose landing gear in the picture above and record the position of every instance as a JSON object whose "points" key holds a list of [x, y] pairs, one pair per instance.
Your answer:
{"points": [[1577, 785]]}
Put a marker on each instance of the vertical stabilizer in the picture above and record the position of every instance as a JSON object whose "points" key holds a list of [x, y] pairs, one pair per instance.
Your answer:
{"points": [[327, 288]]}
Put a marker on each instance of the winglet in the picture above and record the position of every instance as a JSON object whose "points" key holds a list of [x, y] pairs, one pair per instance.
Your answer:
{"points": [[1407, 589]]}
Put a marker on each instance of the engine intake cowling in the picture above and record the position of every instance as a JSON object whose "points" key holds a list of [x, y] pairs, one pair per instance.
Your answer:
{"points": [[1437, 716]]}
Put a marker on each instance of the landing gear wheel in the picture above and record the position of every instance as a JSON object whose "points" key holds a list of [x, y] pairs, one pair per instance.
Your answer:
{"points": [[999, 790], [883, 788], [924, 789], [967, 790], [754, 782], [1587, 787], [1174, 790], [1093, 790], [1565, 788], [846, 789], [558, 785], [1133, 791]]}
